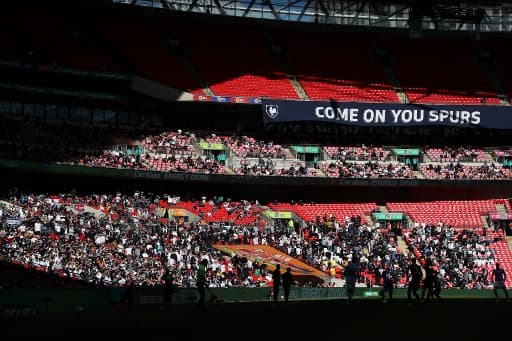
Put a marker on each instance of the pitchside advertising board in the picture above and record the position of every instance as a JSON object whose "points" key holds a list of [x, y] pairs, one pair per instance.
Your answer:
{"points": [[387, 114], [155, 295], [226, 99]]}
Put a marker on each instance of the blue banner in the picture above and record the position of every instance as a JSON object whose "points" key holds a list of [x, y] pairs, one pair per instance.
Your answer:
{"points": [[387, 114]]}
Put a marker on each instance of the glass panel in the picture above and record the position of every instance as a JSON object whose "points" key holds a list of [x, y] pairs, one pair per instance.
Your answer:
{"points": [[75, 114], [5, 107], [62, 113], [110, 117], [98, 115], [51, 112], [85, 115], [39, 110], [28, 109], [16, 108], [128, 118]]}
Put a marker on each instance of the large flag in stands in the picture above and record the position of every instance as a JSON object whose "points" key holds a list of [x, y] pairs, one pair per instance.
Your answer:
{"points": [[301, 271]]}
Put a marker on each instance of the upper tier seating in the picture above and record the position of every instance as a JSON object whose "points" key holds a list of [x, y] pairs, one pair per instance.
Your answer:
{"points": [[243, 61], [500, 51], [356, 153], [492, 171], [148, 52], [336, 66], [439, 70], [310, 212], [237, 62], [462, 154], [460, 214]]}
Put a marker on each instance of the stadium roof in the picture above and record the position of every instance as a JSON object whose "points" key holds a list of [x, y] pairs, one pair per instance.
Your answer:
{"points": [[414, 15], [469, 15]]}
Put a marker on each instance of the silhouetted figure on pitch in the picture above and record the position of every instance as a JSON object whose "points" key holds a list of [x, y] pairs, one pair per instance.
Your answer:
{"points": [[415, 276], [499, 276], [388, 285], [350, 275], [287, 278], [276, 282], [431, 283], [201, 285], [428, 283], [168, 283]]}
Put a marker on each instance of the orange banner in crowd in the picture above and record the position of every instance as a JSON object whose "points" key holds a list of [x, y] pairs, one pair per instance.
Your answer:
{"points": [[270, 256], [177, 212]]}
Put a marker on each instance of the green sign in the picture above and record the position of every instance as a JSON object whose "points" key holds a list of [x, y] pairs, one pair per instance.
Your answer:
{"points": [[406, 152], [389, 216], [211, 146], [306, 149], [278, 215]]}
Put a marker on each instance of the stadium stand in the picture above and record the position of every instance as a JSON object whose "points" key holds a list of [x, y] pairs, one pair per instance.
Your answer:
{"points": [[115, 239]]}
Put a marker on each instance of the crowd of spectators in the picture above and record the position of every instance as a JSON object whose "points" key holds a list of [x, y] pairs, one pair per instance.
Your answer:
{"points": [[485, 171], [182, 151], [464, 258], [344, 169], [457, 154], [128, 158], [182, 163], [356, 153], [40, 141], [246, 146], [170, 143], [268, 167], [123, 240]]}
